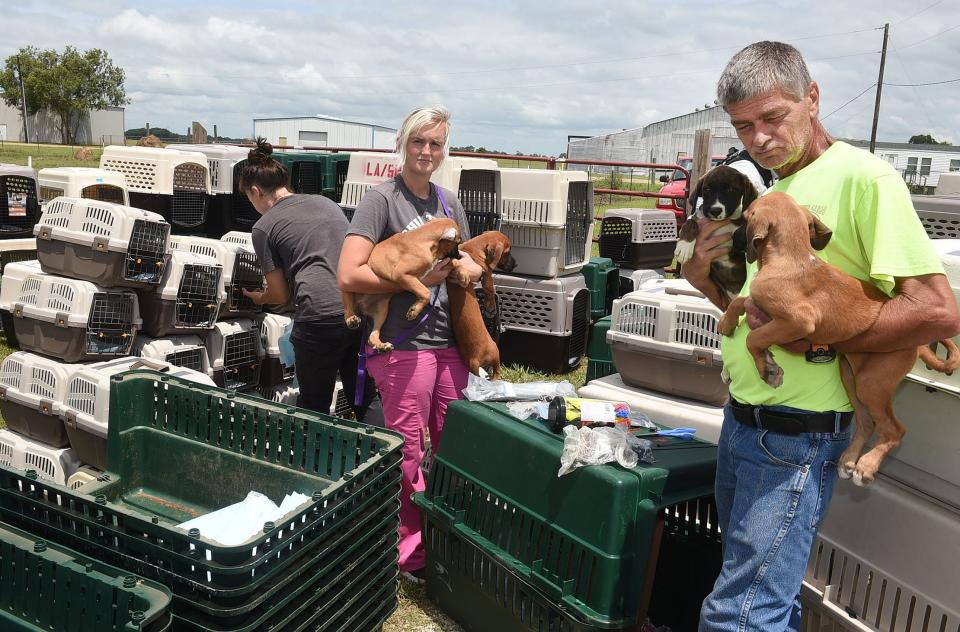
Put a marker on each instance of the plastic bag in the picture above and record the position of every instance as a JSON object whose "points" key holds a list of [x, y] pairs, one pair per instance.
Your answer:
{"points": [[237, 523], [483, 390], [287, 356], [593, 446], [523, 410]]}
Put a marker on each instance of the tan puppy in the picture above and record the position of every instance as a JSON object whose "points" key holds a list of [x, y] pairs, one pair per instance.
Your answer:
{"points": [[807, 298], [490, 250], [405, 258]]}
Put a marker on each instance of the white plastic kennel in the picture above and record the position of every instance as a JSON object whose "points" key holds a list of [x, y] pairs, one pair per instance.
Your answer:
{"points": [[238, 237], [476, 183], [638, 238], [188, 298], [185, 351], [32, 390], [631, 280], [236, 353], [170, 182], [86, 408], [241, 271], [69, 319], [223, 161], [367, 169], [949, 250], [108, 244], [83, 182], [85, 474], [664, 337], [548, 216], [274, 371], [659, 407], [19, 201], [885, 559], [51, 464], [545, 321]]}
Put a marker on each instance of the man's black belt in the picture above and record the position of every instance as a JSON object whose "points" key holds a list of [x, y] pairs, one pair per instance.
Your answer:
{"points": [[788, 423]]}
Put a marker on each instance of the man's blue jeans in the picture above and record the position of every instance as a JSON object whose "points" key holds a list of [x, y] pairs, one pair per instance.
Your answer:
{"points": [[772, 491]]}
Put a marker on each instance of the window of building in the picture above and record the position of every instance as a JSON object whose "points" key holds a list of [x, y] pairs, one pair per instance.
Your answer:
{"points": [[891, 158], [955, 165], [912, 164], [925, 166]]}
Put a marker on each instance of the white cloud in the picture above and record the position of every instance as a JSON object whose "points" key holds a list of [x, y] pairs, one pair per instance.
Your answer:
{"points": [[517, 76]]}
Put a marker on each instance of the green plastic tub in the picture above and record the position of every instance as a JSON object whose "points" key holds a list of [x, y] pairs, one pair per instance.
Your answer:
{"points": [[599, 355], [48, 587], [603, 280]]}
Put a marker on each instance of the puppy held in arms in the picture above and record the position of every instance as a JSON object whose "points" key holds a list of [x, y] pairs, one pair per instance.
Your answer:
{"points": [[404, 259], [807, 298], [726, 192], [477, 349]]}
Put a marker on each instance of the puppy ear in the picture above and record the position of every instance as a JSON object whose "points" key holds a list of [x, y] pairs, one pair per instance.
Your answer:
{"points": [[820, 233], [692, 198], [492, 253], [756, 232]]}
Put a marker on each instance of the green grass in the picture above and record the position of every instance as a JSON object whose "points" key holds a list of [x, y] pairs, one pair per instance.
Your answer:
{"points": [[47, 155]]}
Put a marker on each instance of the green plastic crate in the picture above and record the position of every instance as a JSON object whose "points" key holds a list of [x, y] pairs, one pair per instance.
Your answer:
{"points": [[128, 516], [603, 280], [583, 540], [599, 355], [46, 587], [315, 173]]}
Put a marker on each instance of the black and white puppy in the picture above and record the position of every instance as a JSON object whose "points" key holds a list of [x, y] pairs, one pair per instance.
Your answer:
{"points": [[726, 192]]}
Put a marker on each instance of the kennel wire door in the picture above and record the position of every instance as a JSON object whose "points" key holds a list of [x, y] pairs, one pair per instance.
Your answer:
{"points": [[236, 353], [476, 182], [189, 297], [241, 270], [19, 201]]}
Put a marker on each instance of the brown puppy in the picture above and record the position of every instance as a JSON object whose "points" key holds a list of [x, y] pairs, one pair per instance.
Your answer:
{"points": [[726, 194], [405, 258], [490, 250], [807, 298]]}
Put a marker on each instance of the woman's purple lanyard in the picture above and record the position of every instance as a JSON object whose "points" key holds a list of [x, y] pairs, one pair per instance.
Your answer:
{"points": [[404, 335]]}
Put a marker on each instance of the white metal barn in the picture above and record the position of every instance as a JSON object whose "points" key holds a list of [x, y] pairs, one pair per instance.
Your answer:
{"points": [[661, 142], [323, 131]]}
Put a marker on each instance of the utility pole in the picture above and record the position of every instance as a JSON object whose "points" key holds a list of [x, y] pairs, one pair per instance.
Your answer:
{"points": [[876, 107], [23, 102]]}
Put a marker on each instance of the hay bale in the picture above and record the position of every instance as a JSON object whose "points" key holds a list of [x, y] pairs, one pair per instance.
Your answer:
{"points": [[84, 153], [149, 141]]}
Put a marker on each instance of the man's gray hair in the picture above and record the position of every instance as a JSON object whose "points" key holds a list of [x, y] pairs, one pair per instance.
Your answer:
{"points": [[762, 67]]}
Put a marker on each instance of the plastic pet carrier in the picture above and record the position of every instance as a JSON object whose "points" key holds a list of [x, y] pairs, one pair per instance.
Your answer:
{"points": [[48, 587], [236, 353], [638, 237], [284, 393], [11, 251], [51, 464], [68, 319], [315, 173], [86, 407], [274, 371], [660, 407], [511, 546], [85, 474], [476, 183], [32, 390], [179, 450], [238, 237], [548, 216], [11, 282], [83, 182], [108, 244], [366, 169], [664, 337], [188, 299], [229, 208], [241, 271], [189, 352], [603, 279], [546, 321], [632, 280], [858, 581], [170, 182], [599, 356], [19, 201]]}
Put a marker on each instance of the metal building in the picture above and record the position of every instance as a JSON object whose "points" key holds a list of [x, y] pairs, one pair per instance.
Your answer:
{"points": [[323, 131], [661, 142], [99, 127]]}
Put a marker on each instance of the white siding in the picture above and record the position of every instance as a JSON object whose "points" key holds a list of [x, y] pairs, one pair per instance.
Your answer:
{"points": [[339, 133], [101, 125]]}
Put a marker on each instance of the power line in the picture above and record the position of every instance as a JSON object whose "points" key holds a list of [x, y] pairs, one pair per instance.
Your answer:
{"points": [[865, 90], [915, 85], [928, 7], [927, 39]]}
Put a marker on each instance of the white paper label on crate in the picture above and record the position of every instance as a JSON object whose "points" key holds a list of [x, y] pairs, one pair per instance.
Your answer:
{"points": [[597, 412], [16, 204]]}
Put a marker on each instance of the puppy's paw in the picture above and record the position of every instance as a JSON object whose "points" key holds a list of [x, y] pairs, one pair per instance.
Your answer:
{"points": [[383, 347], [845, 470], [862, 478], [414, 311], [353, 321], [461, 278], [728, 324], [684, 251]]}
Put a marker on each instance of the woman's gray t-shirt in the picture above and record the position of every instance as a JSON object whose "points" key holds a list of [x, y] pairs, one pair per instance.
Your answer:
{"points": [[391, 208]]}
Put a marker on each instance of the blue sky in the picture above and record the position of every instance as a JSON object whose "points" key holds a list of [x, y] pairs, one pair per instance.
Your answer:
{"points": [[517, 76]]}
